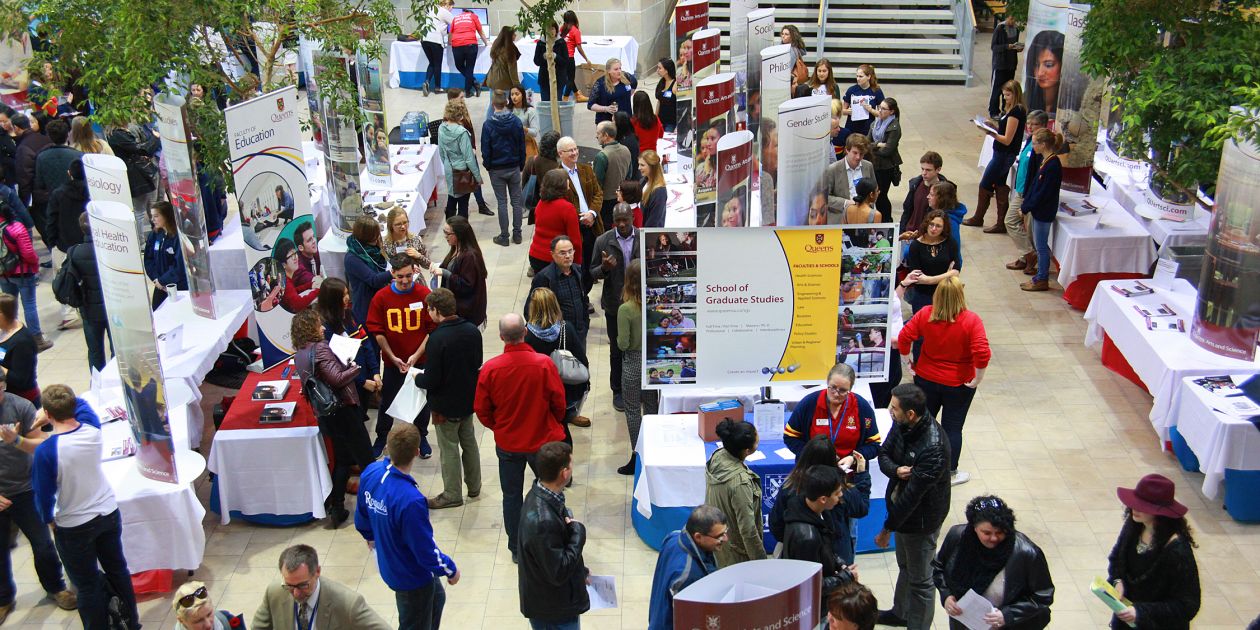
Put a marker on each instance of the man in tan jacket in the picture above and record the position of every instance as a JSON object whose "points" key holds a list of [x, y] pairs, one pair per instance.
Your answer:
{"points": [[304, 600]]}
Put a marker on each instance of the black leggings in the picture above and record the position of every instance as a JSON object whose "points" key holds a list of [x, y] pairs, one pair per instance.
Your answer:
{"points": [[884, 178], [351, 446], [568, 80], [433, 76]]}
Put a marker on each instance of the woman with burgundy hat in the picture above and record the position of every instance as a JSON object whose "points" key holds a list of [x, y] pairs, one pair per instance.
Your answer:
{"points": [[1152, 564]]}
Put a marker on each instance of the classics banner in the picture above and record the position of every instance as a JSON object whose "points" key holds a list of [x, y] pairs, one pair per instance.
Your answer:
{"points": [[120, 261], [190, 215], [776, 88], [281, 251], [815, 297], [715, 117], [689, 17], [735, 180], [1043, 57], [804, 134], [1079, 107]]}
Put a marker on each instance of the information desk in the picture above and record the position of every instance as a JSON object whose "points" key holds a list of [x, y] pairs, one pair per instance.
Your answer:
{"points": [[669, 479], [689, 399], [408, 66], [1107, 245], [1227, 447], [273, 474], [1158, 360]]}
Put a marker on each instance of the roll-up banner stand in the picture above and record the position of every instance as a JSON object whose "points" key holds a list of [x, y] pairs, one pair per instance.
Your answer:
{"points": [[804, 136], [706, 53], [689, 17], [1079, 107], [190, 215], [715, 117], [776, 88]]}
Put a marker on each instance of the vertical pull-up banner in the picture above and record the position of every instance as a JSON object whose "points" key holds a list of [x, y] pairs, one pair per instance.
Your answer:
{"points": [[735, 179], [804, 132], [715, 117], [1080, 104], [190, 214], [776, 88], [689, 17]]}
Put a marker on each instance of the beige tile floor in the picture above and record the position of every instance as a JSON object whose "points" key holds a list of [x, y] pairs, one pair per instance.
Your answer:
{"points": [[1051, 431]]}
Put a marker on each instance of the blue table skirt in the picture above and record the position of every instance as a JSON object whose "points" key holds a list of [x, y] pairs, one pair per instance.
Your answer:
{"points": [[274, 520], [773, 470], [413, 80]]}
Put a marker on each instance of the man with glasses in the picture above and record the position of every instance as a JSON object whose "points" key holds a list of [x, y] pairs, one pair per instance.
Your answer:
{"points": [[586, 194], [400, 322], [304, 601], [565, 280], [685, 558]]}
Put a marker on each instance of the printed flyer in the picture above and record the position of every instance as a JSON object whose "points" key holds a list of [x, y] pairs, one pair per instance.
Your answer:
{"points": [[689, 17], [804, 135], [715, 117], [734, 186], [282, 250]]}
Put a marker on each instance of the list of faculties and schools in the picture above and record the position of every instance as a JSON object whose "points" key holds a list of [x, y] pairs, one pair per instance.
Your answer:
{"points": [[775, 320]]}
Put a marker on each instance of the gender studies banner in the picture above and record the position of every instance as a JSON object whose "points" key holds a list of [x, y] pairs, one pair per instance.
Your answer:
{"points": [[120, 260], [689, 17], [190, 215], [270, 175], [804, 138], [776, 88], [715, 117], [1080, 103], [814, 297]]}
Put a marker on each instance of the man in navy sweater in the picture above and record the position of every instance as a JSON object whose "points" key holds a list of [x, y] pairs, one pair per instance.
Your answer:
{"points": [[394, 515]]}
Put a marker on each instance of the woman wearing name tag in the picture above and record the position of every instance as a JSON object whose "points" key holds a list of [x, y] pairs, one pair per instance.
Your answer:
{"points": [[367, 269], [398, 239], [163, 257], [847, 419]]}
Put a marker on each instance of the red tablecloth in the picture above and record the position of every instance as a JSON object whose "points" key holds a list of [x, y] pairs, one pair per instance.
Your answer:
{"points": [[244, 411], [1115, 361], [1079, 293]]}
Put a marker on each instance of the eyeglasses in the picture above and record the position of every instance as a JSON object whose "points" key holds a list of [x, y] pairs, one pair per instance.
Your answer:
{"points": [[188, 600], [296, 587], [836, 389], [722, 536]]}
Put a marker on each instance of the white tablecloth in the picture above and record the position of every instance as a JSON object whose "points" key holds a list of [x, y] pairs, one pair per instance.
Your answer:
{"points": [[270, 471], [227, 256], [178, 406], [687, 399], [161, 522], [1160, 359], [1166, 233], [1111, 241], [1219, 440], [409, 57]]}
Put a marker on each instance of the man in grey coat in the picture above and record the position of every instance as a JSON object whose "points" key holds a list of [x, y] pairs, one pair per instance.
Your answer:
{"points": [[842, 177]]}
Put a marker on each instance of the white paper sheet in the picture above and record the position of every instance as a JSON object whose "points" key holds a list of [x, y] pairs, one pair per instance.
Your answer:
{"points": [[974, 608], [785, 453], [768, 418], [344, 348], [603, 591], [755, 457], [1165, 273]]}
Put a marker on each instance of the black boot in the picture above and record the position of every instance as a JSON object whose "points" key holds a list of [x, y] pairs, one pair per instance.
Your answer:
{"points": [[628, 469]]}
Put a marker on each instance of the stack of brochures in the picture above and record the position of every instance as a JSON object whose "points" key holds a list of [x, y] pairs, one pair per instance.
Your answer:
{"points": [[270, 390]]}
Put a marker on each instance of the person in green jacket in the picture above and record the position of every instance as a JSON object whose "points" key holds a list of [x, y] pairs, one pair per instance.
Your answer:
{"points": [[455, 146], [736, 490], [630, 340]]}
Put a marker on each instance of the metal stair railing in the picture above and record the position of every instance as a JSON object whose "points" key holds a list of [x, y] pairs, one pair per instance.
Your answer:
{"points": [[965, 26]]}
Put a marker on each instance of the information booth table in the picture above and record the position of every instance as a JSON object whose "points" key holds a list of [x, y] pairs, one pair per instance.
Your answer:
{"points": [[1226, 449]]}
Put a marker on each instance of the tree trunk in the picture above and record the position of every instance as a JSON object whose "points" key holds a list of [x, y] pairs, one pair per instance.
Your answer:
{"points": [[550, 55]]}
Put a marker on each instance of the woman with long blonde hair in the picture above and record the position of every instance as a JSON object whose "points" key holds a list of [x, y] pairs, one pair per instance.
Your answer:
{"points": [[655, 197], [83, 138], [546, 330]]}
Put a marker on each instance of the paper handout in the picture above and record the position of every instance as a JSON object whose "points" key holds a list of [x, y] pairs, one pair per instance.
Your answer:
{"points": [[603, 591], [974, 608], [344, 348]]}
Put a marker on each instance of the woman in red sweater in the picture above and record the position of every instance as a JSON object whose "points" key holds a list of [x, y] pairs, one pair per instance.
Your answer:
{"points": [[646, 125], [553, 216], [952, 363]]}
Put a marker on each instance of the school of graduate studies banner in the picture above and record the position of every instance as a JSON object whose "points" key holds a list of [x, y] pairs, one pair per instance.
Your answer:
{"points": [[190, 214], [270, 175], [341, 150], [734, 185], [776, 88], [715, 117], [375, 132], [804, 135], [689, 17], [1080, 104], [1043, 58], [120, 261], [759, 28], [713, 320]]}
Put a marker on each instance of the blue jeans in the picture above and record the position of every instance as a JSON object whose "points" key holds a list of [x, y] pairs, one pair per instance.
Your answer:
{"points": [[506, 183], [81, 548], [512, 482], [572, 624], [24, 287], [998, 169], [24, 515], [94, 334], [1041, 242], [421, 608]]}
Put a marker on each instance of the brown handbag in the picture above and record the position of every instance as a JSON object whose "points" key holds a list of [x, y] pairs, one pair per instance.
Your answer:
{"points": [[465, 183]]}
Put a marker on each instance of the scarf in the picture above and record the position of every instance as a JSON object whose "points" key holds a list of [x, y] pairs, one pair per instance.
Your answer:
{"points": [[549, 334], [880, 127], [974, 566], [370, 254]]}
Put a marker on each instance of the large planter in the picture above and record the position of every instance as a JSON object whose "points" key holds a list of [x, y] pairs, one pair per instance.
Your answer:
{"points": [[566, 117]]}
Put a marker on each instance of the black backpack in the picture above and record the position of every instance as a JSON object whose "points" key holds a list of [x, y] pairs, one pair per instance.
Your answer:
{"points": [[9, 257], [67, 285]]}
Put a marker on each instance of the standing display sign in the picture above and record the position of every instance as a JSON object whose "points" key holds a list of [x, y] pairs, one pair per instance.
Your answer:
{"points": [[776, 88], [341, 149], [734, 185], [307, 50], [816, 296], [1225, 316], [107, 179], [757, 595], [689, 17], [1043, 58], [740, 43], [706, 52], [759, 28], [281, 247], [1080, 104], [804, 137], [190, 215], [715, 117], [120, 261], [375, 132]]}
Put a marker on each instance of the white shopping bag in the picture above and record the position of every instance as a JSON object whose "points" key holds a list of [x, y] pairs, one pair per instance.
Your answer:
{"points": [[410, 399]]}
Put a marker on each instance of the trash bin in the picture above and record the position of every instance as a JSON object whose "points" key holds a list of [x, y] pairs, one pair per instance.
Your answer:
{"points": [[566, 117]]}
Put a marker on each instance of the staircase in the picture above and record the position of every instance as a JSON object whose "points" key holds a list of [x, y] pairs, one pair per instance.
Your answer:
{"points": [[906, 40]]}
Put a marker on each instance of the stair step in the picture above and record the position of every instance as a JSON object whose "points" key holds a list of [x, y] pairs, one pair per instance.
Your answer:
{"points": [[889, 75], [846, 14], [850, 60], [891, 43], [887, 28]]}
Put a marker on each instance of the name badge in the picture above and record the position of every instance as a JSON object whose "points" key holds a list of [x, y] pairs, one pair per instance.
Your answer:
{"points": [[668, 94], [822, 422], [416, 306], [401, 249]]}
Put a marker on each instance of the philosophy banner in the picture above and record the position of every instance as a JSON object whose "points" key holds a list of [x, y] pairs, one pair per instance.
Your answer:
{"points": [[735, 181], [817, 296], [281, 250], [375, 132], [706, 52], [689, 17], [341, 150], [715, 117], [1079, 107], [120, 261], [776, 88], [804, 135], [1043, 58], [190, 214], [759, 29]]}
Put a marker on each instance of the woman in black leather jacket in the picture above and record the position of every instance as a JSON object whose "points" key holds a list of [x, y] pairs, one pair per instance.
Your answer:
{"points": [[988, 556]]}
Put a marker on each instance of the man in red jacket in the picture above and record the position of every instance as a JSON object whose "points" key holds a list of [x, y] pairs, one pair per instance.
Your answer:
{"points": [[520, 398], [399, 321]]}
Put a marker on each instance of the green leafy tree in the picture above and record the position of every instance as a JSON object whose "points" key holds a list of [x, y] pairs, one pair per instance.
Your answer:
{"points": [[536, 18]]}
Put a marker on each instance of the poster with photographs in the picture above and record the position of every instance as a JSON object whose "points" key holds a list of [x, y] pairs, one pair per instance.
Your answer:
{"points": [[185, 194], [804, 134], [1043, 57], [759, 26], [867, 281], [715, 117], [689, 18], [669, 354], [1080, 106], [282, 251], [375, 131], [734, 189], [120, 261], [704, 50]]}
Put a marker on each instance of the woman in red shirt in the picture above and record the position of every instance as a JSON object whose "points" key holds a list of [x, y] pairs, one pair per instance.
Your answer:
{"points": [[465, 31], [573, 40], [646, 125], [952, 362], [554, 216]]}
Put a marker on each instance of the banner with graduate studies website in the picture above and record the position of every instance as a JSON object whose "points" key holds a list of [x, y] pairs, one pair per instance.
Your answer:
{"points": [[689, 17], [715, 117], [281, 250], [190, 214], [1079, 107], [815, 296], [735, 178], [120, 261], [804, 138]]}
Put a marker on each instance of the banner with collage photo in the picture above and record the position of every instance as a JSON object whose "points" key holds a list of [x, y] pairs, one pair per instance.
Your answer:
{"points": [[715, 117], [804, 136], [817, 296], [190, 214], [120, 261], [689, 17], [706, 52], [375, 131], [1043, 57], [341, 150], [735, 179], [1079, 107], [282, 251], [776, 88], [759, 28]]}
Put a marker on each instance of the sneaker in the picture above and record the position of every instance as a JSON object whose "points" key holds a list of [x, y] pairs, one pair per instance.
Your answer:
{"points": [[619, 403], [66, 600], [887, 618], [516, 238], [46, 264], [42, 343], [424, 89], [501, 240], [959, 477], [426, 451], [529, 273], [442, 501], [1031, 285]]}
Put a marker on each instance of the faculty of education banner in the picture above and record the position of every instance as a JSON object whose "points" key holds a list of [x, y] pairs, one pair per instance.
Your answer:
{"points": [[120, 261], [190, 215], [816, 296], [734, 185], [804, 137], [1079, 107], [281, 247]]}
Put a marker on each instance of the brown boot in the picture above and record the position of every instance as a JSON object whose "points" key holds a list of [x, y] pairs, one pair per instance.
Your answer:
{"points": [[1036, 285], [982, 208], [1017, 264], [1003, 198]]}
